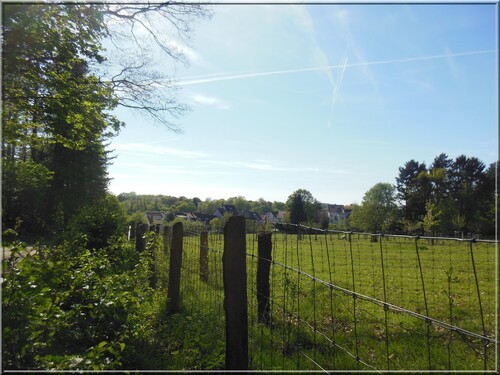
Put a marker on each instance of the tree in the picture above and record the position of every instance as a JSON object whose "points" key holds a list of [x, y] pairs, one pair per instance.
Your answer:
{"points": [[431, 221], [303, 207], [468, 178], [136, 30], [412, 185], [378, 210], [59, 90], [57, 114]]}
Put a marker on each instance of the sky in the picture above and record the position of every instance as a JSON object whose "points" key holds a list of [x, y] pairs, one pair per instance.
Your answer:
{"points": [[328, 98]]}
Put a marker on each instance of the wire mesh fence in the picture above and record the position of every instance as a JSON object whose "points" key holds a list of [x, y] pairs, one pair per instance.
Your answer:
{"points": [[333, 300]]}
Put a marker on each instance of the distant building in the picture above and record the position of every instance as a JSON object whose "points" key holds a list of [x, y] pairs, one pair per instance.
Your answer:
{"points": [[271, 217], [230, 208], [337, 214], [254, 216], [155, 217], [204, 218]]}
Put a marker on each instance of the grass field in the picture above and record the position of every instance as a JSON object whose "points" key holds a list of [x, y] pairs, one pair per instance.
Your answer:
{"points": [[328, 294]]}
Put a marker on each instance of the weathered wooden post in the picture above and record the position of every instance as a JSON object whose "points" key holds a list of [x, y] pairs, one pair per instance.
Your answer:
{"points": [[263, 268], [153, 279], [234, 275], [174, 273], [132, 230], [140, 237], [204, 256], [166, 238]]}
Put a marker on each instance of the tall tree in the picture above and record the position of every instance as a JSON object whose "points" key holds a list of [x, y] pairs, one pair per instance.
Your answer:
{"points": [[57, 114], [302, 206], [59, 90], [468, 178], [413, 188], [378, 210]]}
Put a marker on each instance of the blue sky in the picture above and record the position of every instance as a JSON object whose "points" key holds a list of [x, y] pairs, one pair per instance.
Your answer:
{"points": [[329, 98]]}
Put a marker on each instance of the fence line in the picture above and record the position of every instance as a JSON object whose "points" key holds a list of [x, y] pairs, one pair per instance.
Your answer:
{"points": [[338, 300]]}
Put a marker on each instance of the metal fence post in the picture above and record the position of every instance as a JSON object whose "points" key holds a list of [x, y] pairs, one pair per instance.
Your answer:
{"points": [[235, 293]]}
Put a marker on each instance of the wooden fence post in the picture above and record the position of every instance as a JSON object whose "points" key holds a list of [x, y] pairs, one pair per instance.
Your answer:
{"points": [[140, 238], [263, 268], [174, 273], [153, 267], [235, 293], [166, 238], [204, 256]]}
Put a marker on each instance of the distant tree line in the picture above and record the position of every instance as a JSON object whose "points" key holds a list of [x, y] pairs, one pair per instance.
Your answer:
{"points": [[141, 203], [446, 197]]}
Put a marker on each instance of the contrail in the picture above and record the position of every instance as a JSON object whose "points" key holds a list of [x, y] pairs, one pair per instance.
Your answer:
{"points": [[335, 92], [211, 78]]}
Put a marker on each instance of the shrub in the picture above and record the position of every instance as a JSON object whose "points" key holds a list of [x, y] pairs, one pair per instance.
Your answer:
{"points": [[99, 222], [68, 308]]}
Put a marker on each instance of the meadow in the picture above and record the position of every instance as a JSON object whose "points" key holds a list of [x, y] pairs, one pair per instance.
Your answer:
{"points": [[341, 301]]}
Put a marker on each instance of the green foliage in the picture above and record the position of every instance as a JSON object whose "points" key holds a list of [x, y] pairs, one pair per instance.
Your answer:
{"points": [[138, 218], [68, 308], [303, 207], [431, 220], [215, 224], [24, 193], [378, 211], [56, 113], [98, 222], [462, 188]]}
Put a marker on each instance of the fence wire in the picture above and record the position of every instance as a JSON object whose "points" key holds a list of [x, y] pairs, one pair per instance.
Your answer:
{"points": [[357, 301]]}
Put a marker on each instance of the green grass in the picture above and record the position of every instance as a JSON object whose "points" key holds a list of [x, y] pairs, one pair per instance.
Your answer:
{"points": [[308, 316]]}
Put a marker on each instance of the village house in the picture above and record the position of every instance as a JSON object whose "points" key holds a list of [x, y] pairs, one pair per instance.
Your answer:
{"points": [[254, 216], [230, 208], [155, 217], [204, 218], [337, 214], [271, 217]]}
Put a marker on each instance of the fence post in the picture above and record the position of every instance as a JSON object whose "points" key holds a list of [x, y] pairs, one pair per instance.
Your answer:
{"points": [[174, 273], [140, 238], [204, 255], [235, 293], [153, 267], [166, 238], [132, 230], [263, 268]]}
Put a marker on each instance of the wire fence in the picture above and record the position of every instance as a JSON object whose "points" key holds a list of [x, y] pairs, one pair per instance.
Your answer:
{"points": [[335, 300]]}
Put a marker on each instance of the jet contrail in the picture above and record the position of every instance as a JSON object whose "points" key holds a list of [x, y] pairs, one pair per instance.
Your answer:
{"points": [[335, 92], [219, 78]]}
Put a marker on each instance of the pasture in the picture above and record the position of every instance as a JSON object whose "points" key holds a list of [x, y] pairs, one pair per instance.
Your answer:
{"points": [[340, 301]]}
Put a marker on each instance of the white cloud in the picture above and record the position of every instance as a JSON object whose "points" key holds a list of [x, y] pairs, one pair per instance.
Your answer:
{"points": [[147, 149], [267, 166], [342, 15], [205, 100]]}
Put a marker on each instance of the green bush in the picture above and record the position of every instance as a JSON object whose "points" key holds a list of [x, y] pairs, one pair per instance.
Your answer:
{"points": [[67, 308], [99, 222]]}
